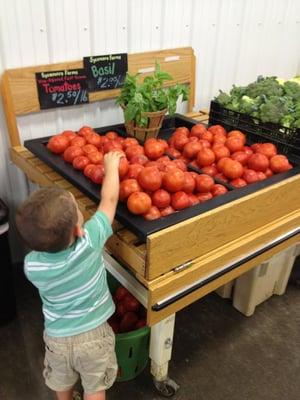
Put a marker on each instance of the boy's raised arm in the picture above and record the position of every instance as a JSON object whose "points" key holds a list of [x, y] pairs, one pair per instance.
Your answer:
{"points": [[110, 185]]}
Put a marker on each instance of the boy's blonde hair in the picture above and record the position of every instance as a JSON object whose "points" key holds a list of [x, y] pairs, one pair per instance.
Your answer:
{"points": [[46, 219]]}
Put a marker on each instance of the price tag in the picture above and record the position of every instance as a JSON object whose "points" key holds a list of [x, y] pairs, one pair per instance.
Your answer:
{"points": [[105, 72], [62, 88]]}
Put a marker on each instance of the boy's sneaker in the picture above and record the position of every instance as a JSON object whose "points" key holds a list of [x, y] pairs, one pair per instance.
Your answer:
{"points": [[77, 396]]}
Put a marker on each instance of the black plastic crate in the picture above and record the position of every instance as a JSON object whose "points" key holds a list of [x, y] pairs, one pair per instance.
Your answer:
{"points": [[287, 140]]}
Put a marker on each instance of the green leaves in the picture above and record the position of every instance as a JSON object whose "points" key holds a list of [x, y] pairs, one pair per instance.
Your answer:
{"points": [[149, 96]]}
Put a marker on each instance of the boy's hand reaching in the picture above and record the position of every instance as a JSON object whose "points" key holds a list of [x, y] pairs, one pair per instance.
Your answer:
{"points": [[112, 159]]}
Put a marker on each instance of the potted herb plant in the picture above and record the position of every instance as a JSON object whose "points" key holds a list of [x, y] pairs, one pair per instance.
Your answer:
{"points": [[146, 103]]}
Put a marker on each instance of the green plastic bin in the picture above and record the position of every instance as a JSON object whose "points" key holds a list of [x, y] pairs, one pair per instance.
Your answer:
{"points": [[132, 348]]}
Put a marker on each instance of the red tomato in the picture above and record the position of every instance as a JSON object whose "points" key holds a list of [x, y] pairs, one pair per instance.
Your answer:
{"points": [[280, 163], [173, 152], [84, 130], [120, 310], [193, 199], [255, 147], [268, 172], [173, 181], [111, 135], [161, 198], [71, 152], [202, 197], [183, 129], [247, 150], [207, 136], [139, 203], [154, 149], [139, 159], [238, 183], [189, 183], [112, 145], [268, 149], [127, 187], [104, 140], [97, 174], [80, 162], [240, 156], [218, 190], [258, 162], [129, 142], [180, 164], [221, 163], [180, 142], [95, 157], [261, 176], [191, 149], [217, 129], [221, 176], [134, 170], [58, 144], [134, 150], [167, 211], [128, 321], [69, 134], [237, 134], [180, 200], [221, 151], [150, 179], [89, 148], [250, 176], [164, 143], [233, 169], [205, 157], [234, 144], [152, 213], [120, 293], [78, 141], [123, 167], [211, 170], [204, 183], [219, 138], [197, 130], [93, 138], [130, 303], [88, 170], [205, 143]]}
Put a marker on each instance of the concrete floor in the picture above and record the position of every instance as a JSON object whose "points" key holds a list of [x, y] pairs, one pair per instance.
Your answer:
{"points": [[218, 353]]}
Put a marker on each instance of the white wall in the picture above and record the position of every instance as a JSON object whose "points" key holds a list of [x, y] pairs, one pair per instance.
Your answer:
{"points": [[234, 41]]}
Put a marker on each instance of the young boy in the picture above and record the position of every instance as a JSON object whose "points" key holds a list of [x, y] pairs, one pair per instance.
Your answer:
{"points": [[66, 266]]}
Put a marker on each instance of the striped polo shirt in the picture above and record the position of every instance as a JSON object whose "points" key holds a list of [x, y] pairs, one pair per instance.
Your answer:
{"points": [[72, 283]]}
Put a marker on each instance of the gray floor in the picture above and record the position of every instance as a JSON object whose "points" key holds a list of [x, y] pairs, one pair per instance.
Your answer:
{"points": [[218, 353]]}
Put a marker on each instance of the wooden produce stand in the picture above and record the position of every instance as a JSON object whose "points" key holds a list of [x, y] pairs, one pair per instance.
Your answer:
{"points": [[182, 263]]}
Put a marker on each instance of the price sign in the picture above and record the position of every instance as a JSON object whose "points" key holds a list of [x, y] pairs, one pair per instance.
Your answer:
{"points": [[105, 72], [62, 88]]}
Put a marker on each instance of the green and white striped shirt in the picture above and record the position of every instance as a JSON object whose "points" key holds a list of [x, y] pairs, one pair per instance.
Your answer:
{"points": [[72, 283]]}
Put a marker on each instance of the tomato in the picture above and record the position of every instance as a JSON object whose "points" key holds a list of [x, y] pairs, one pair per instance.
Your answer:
{"points": [[189, 183], [250, 176], [207, 136], [205, 143], [120, 293], [180, 142], [129, 142], [221, 177], [78, 141], [234, 144], [247, 150], [139, 203], [130, 303], [237, 134], [204, 183], [202, 197], [152, 213], [193, 199], [69, 134], [128, 186], [180, 200], [134, 170], [120, 309], [217, 129], [182, 129], [219, 138], [139, 159], [191, 149], [123, 167], [97, 174], [173, 152], [84, 130], [167, 211], [221, 163], [173, 181], [279, 163], [152, 164], [258, 162], [134, 150], [205, 157], [180, 165], [210, 170], [238, 182], [154, 149], [95, 157], [221, 151], [268, 172], [161, 198], [89, 148], [233, 169], [218, 190], [80, 162], [255, 147], [93, 138], [71, 152], [103, 140], [184, 159], [240, 156], [58, 144], [111, 135], [197, 130], [128, 321], [164, 143], [112, 145], [150, 179], [88, 170], [261, 176], [268, 149]]}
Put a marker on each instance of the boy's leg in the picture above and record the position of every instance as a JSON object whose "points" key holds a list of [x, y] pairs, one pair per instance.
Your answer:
{"points": [[67, 395], [95, 396]]}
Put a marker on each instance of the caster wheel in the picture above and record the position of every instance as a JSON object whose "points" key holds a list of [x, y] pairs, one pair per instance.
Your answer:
{"points": [[166, 388]]}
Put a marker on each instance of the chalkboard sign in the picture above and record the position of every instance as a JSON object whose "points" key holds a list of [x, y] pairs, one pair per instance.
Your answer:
{"points": [[105, 72], [62, 88]]}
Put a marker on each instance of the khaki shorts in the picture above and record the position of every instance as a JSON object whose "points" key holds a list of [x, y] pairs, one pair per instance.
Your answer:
{"points": [[89, 355]]}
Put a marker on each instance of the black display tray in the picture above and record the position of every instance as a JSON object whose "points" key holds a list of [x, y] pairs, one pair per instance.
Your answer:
{"points": [[137, 224]]}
